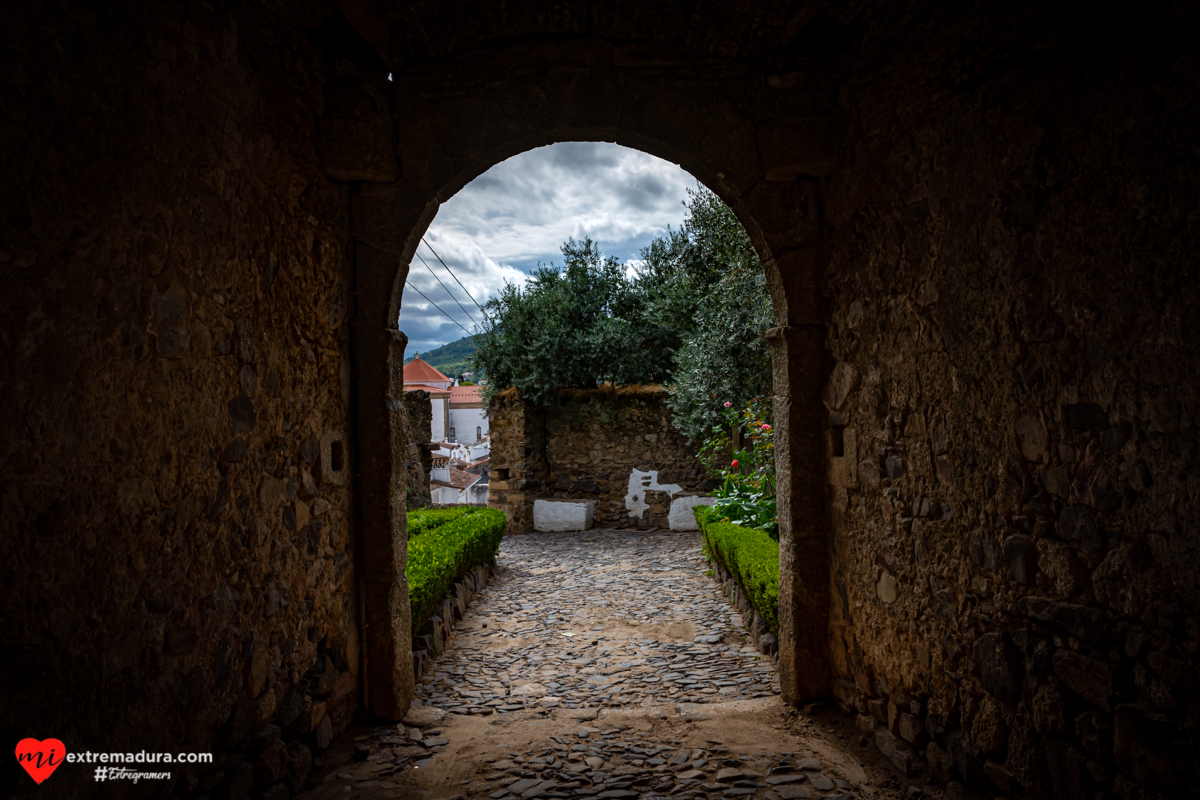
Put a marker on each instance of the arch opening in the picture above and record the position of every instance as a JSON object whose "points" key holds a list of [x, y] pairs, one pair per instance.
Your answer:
{"points": [[444, 142]]}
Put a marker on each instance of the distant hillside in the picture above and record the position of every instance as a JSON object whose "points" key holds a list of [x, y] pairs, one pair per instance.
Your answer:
{"points": [[450, 359]]}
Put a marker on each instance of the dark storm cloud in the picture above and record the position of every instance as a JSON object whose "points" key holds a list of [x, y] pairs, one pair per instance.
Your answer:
{"points": [[519, 213]]}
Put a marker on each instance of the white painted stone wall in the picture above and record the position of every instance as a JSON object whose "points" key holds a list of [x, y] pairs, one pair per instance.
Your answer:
{"points": [[437, 424], [563, 515], [642, 482], [464, 421], [682, 516]]}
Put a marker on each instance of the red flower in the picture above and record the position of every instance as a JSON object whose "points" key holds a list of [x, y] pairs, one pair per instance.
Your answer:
{"points": [[766, 427], [728, 404], [734, 463]]}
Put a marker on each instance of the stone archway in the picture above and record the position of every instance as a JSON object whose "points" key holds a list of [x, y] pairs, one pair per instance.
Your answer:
{"points": [[457, 119]]}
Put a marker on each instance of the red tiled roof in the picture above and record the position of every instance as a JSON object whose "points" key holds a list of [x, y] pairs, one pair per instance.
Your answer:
{"points": [[419, 371], [433, 390], [466, 395], [458, 479]]}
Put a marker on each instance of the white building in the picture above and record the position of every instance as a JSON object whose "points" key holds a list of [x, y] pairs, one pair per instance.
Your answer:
{"points": [[450, 485], [459, 428], [468, 417], [419, 375]]}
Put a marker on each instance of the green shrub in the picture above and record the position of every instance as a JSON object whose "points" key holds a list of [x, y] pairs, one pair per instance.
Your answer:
{"points": [[441, 555], [753, 558], [430, 518]]}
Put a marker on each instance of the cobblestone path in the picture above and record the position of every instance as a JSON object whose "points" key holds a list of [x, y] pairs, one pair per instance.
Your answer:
{"points": [[597, 620], [605, 665]]}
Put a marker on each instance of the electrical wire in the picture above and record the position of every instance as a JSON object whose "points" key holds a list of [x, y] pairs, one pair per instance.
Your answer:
{"points": [[439, 308], [452, 297], [452, 275]]}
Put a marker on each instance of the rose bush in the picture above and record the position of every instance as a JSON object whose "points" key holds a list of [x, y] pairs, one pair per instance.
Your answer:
{"points": [[747, 493]]}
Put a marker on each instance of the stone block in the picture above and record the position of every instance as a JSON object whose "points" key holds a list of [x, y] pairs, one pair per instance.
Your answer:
{"points": [[272, 763], [1061, 570], [1076, 527], [323, 735], [682, 515], [1019, 558], [1001, 668], [985, 550], [563, 515], [941, 765], [1089, 678], [845, 692], [424, 717], [912, 731], [1082, 622], [897, 751]]}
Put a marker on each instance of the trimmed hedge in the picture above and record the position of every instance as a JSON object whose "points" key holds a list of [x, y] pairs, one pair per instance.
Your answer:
{"points": [[430, 518], [441, 555], [753, 558]]}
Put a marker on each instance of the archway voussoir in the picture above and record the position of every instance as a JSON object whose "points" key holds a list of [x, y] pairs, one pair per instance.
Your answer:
{"points": [[584, 97], [727, 140], [660, 114]]}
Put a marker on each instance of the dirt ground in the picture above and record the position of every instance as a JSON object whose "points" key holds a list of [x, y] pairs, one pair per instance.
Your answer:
{"points": [[475, 743]]}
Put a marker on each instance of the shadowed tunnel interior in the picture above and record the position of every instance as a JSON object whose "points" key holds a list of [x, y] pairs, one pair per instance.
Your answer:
{"points": [[978, 228]]}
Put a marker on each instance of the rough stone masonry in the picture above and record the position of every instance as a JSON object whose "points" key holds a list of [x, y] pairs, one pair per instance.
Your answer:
{"points": [[589, 448], [978, 226]]}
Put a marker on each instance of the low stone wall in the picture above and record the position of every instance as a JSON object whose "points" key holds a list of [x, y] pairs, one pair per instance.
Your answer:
{"points": [[766, 642], [432, 640], [588, 448]]}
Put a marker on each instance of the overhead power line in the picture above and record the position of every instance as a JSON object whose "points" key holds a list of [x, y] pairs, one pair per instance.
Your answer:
{"points": [[439, 308], [452, 297], [452, 275]]}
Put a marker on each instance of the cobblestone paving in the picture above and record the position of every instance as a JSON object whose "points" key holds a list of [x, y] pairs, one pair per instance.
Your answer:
{"points": [[597, 619], [603, 665]]}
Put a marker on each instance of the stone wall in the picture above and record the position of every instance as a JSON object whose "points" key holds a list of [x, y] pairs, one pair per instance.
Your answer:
{"points": [[997, 203], [1013, 475], [418, 427], [176, 544], [586, 449]]}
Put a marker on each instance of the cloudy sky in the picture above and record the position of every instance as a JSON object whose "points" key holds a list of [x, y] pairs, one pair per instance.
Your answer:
{"points": [[519, 213]]}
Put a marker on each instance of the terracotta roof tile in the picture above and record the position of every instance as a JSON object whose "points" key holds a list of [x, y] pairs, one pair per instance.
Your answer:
{"points": [[460, 479], [433, 390], [466, 395], [419, 371]]}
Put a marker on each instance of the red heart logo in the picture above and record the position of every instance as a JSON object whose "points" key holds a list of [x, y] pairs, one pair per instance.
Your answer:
{"points": [[40, 759]]}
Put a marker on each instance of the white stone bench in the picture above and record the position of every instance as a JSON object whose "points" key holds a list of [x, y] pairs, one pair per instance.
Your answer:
{"points": [[682, 516], [563, 515]]}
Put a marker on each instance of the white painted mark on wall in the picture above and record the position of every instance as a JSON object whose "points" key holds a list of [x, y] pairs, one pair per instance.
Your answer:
{"points": [[642, 482]]}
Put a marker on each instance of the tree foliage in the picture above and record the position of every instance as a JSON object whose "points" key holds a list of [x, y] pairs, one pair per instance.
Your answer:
{"points": [[692, 318], [574, 326], [706, 283]]}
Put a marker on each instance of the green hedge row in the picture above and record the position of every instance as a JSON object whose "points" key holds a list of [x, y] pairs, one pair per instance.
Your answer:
{"points": [[429, 518], [753, 558], [441, 555]]}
